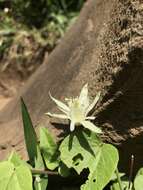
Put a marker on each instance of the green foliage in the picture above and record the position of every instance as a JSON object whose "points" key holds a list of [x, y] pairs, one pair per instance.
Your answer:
{"points": [[40, 183], [79, 149], [63, 170], [29, 11], [125, 185], [5, 43], [33, 148], [48, 149], [105, 164], [138, 182], [29, 133], [37, 14], [16, 160], [30, 27], [15, 174], [84, 149]]}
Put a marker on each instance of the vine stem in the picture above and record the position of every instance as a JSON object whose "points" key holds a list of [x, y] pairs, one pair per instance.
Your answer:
{"points": [[45, 172], [118, 178]]}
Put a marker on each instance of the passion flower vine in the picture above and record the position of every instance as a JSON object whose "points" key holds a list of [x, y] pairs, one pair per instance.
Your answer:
{"points": [[77, 110]]}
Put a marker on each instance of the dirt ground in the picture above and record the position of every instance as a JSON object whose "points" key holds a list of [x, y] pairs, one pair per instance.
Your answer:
{"points": [[10, 83]]}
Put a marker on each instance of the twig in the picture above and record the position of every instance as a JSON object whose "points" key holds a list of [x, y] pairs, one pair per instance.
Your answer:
{"points": [[131, 171]]}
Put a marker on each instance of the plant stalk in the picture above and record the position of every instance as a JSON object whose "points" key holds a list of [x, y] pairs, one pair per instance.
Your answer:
{"points": [[131, 171], [45, 172], [119, 180]]}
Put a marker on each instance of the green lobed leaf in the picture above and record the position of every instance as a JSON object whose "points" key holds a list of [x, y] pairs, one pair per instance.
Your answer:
{"points": [[84, 149], [103, 168], [15, 178], [29, 134], [22, 179], [48, 148], [138, 182], [6, 170], [15, 159], [39, 164], [79, 148]]}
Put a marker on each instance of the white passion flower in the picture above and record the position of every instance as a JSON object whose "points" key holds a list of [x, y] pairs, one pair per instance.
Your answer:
{"points": [[77, 110]]}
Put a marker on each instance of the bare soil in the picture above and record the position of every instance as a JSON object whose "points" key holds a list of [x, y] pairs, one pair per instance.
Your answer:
{"points": [[10, 82]]}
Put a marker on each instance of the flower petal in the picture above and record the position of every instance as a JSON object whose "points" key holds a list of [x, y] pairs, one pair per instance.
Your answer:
{"points": [[72, 126], [61, 116], [90, 117], [63, 107], [83, 97], [91, 126], [91, 106]]}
